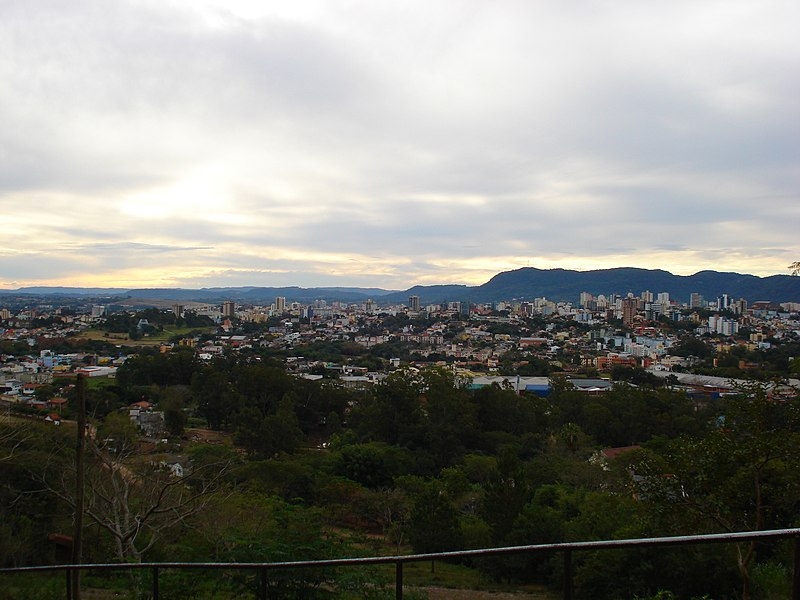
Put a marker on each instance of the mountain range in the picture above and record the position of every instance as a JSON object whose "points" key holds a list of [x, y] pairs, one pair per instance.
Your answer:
{"points": [[520, 284]]}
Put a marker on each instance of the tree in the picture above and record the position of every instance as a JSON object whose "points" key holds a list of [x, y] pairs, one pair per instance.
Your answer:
{"points": [[261, 386], [267, 435], [44, 392], [741, 476], [173, 404], [434, 525], [505, 410], [133, 501], [393, 412], [635, 375], [26, 515], [173, 368], [395, 516], [689, 345], [572, 436], [10, 440], [506, 492], [367, 464], [283, 428], [216, 398], [248, 526], [450, 419], [795, 267]]}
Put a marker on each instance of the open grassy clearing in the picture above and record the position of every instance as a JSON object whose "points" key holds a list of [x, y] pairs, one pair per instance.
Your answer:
{"points": [[154, 339], [444, 581]]}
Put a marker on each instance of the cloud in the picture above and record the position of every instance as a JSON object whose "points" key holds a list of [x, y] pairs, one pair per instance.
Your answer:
{"points": [[181, 142]]}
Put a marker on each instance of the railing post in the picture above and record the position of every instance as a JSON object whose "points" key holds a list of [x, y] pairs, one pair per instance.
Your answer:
{"points": [[398, 580], [796, 570], [262, 583], [155, 583], [567, 574], [69, 583]]}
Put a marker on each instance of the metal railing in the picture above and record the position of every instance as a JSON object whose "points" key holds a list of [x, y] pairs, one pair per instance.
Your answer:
{"points": [[566, 548]]}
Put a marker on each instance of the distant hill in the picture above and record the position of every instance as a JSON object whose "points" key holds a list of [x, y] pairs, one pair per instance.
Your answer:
{"points": [[261, 295], [522, 284], [63, 291], [565, 285], [432, 294], [332, 294]]}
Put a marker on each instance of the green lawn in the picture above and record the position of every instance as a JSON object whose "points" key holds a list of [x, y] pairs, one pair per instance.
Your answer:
{"points": [[456, 576], [154, 339]]}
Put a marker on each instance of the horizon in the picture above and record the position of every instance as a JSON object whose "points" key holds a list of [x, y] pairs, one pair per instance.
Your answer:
{"points": [[353, 287], [375, 144]]}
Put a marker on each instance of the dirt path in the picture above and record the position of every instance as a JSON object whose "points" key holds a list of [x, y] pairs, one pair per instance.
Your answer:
{"points": [[438, 593]]}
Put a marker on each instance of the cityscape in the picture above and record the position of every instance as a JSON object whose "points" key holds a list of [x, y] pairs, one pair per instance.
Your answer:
{"points": [[365, 418], [474, 340], [326, 300]]}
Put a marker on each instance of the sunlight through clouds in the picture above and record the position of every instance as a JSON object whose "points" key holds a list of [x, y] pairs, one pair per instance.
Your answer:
{"points": [[198, 195]]}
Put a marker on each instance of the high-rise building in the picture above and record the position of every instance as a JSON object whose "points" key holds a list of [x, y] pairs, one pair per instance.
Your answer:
{"points": [[280, 304], [228, 309], [695, 300], [722, 325], [630, 308], [413, 303], [647, 296]]}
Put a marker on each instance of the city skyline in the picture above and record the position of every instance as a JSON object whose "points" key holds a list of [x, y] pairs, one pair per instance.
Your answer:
{"points": [[374, 144]]}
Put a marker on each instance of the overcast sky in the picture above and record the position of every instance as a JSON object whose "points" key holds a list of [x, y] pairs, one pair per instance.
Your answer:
{"points": [[212, 143]]}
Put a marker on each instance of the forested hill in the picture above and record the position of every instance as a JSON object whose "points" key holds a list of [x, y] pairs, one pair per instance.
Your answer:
{"points": [[525, 283], [563, 284], [560, 284]]}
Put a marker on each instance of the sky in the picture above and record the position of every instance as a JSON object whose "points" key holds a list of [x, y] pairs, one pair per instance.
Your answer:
{"points": [[388, 144]]}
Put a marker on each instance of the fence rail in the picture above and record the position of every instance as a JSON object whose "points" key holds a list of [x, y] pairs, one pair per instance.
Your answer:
{"points": [[567, 548]]}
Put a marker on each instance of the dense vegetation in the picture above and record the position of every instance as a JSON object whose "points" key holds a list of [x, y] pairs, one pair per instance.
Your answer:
{"points": [[418, 462]]}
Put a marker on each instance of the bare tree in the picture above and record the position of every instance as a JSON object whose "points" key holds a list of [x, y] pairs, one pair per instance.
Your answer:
{"points": [[132, 499], [10, 440], [795, 267]]}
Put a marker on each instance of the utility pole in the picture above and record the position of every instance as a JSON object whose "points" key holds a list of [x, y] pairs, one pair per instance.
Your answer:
{"points": [[77, 537]]}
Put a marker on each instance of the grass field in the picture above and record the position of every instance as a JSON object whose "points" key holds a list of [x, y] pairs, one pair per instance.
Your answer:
{"points": [[155, 339], [448, 580], [453, 584]]}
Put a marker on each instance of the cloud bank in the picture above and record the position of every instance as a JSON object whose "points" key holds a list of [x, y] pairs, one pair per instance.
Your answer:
{"points": [[389, 144]]}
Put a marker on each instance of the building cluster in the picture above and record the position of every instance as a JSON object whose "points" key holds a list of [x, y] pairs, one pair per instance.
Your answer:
{"points": [[596, 335], [651, 306], [600, 333]]}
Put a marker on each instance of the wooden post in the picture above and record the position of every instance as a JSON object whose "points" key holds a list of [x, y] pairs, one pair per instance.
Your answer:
{"points": [[796, 570], [398, 581], [568, 575], [262, 583], [77, 536]]}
